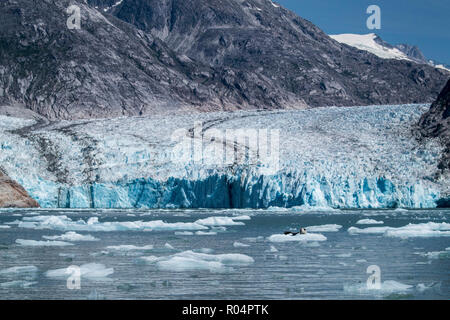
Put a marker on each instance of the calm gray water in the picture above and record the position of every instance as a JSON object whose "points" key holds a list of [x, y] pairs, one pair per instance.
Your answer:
{"points": [[411, 267]]}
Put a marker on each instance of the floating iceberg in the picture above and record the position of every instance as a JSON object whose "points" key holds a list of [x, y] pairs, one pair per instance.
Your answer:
{"points": [[72, 236], [93, 225], [18, 284], [126, 247], [386, 287], [220, 221], [324, 228], [421, 230], [37, 243], [91, 271], [438, 254], [297, 238], [238, 244], [19, 271], [369, 221], [195, 261]]}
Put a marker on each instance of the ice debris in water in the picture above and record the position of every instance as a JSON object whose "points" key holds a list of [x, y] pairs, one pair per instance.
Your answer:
{"points": [[220, 221], [91, 271], [72, 236], [19, 271], [297, 238], [386, 287], [169, 246], [324, 228], [423, 230], [369, 221], [237, 244], [205, 233], [196, 261], [19, 277], [18, 284], [92, 224], [38, 243], [437, 254], [126, 247], [184, 233]]}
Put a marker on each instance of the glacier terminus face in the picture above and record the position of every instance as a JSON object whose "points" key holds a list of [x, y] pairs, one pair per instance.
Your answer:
{"points": [[356, 157]]}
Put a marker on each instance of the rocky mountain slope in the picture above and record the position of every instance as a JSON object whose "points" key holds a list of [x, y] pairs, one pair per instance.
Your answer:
{"points": [[13, 195], [137, 57], [436, 123]]}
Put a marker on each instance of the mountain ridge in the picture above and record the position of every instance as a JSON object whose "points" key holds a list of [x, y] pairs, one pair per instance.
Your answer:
{"points": [[141, 57]]}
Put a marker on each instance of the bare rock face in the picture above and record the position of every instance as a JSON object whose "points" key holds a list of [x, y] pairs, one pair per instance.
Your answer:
{"points": [[136, 57], [13, 195], [436, 123]]}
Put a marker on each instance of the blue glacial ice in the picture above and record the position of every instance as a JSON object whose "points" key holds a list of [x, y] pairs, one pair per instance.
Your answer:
{"points": [[356, 157]]}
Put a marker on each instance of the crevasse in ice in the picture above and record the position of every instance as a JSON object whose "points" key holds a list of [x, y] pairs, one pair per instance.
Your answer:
{"points": [[356, 157]]}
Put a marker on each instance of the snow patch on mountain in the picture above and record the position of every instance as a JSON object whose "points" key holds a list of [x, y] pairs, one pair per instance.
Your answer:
{"points": [[367, 42]]}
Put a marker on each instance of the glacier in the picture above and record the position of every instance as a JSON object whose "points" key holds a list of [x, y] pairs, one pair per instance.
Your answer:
{"points": [[333, 157]]}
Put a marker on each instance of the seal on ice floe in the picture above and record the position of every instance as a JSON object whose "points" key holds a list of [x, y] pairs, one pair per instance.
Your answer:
{"points": [[302, 231]]}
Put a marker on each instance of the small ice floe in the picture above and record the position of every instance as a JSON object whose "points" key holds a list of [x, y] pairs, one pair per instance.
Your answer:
{"points": [[37, 243], [23, 272], [90, 271], [344, 255], [253, 239], [194, 261], [437, 254], [204, 250], [386, 287], [169, 246], [219, 229], [67, 255], [17, 284], [272, 249], [205, 233], [184, 233], [130, 247], [369, 221], [361, 261], [220, 221], [324, 228], [237, 244], [15, 222], [72, 236], [64, 223], [423, 230], [401, 210], [299, 237], [4, 226], [241, 217]]}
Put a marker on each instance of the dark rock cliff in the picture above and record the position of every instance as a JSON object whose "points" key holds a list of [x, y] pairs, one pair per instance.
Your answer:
{"points": [[436, 123]]}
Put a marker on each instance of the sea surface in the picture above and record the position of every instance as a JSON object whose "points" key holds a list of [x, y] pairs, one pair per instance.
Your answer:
{"points": [[224, 254]]}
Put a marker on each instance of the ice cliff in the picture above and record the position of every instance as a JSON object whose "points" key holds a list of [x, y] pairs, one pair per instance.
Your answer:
{"points": [[358, 157]]}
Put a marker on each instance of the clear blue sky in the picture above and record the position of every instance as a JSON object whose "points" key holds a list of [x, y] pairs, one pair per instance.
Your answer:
{"points": [[425, 23]]}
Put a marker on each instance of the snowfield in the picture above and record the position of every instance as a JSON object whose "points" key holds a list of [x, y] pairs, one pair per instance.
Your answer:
{"points": [[367, 42], [356, 157]]}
